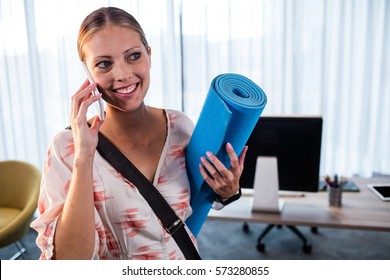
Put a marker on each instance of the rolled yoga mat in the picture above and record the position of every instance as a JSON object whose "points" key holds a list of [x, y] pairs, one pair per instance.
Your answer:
{"points": [[231, 110]]}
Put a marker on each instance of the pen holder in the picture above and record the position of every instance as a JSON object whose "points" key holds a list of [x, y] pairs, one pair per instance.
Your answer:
{"points": [[335, 195]]}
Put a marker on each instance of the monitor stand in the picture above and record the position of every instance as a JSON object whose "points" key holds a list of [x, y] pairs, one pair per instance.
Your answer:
{"points": [[266, 186]]}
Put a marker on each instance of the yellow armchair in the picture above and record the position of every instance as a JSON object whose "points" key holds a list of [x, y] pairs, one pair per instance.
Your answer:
{"points": [[19, 191]]}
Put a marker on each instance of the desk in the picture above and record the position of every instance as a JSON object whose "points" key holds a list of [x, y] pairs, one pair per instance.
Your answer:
{"points": [[360, 210]]}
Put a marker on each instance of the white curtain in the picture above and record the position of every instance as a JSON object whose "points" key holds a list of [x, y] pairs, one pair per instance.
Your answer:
{"points": [[312, 57], [317, 57], [40, 69]]}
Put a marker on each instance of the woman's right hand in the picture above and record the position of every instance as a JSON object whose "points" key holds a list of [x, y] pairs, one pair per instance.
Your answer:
{"points": [[75, 229], [85, 136]]}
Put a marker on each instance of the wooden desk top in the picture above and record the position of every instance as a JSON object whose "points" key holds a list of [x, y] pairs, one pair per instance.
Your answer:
{"points": [[360, 210]]}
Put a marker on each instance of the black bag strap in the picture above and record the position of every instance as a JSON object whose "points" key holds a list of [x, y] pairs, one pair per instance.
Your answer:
{"points": [[173, 224]]}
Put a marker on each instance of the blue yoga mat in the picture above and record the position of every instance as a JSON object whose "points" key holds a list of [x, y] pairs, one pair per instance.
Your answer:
{"points": [[231, 110]]}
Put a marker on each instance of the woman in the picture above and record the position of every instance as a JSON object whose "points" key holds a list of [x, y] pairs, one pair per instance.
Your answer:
{"points": [[87, 210]]}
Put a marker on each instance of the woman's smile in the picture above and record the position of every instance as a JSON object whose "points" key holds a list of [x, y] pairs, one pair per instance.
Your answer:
{"points": [[126, 91]]}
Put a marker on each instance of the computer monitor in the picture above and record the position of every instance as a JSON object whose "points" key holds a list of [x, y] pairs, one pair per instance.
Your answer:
{"points": [[296, 143]]}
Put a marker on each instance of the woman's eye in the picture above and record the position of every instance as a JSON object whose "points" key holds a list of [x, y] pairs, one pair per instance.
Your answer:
{"points": [[133, 56], [103, 64]]}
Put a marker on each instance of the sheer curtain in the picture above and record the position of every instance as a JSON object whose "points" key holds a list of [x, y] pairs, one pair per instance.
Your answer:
{"points": [[317, 57], [40, 68], [312, 57]]}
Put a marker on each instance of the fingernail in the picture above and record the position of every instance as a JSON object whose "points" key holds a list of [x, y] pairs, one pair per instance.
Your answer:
{"points": [[229, 145], [209, 154]]}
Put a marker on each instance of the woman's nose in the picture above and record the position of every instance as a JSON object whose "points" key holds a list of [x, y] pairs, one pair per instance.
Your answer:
{"points": [[123, 72]]}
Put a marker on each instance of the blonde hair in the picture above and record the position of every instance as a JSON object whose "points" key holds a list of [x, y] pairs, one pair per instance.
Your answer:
{"points": [[102, 17]]}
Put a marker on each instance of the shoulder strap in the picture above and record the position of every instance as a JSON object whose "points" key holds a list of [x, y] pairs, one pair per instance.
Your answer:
{"points": [[173, 225]]}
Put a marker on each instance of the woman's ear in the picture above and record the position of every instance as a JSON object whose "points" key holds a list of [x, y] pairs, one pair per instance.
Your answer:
{"points": [[150, 56]]}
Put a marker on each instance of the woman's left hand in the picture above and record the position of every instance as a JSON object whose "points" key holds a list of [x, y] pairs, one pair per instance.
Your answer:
{"points": [[225, 182]]}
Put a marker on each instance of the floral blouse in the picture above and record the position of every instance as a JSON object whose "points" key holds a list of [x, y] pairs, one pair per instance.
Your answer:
{"points": [[125, 225]]}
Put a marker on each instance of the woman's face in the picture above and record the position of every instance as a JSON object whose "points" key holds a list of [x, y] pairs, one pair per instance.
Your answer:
{"points": [[120, 64]]}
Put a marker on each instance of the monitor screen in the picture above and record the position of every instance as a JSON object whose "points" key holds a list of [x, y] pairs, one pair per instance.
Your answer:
{"points": [[296, 143]]}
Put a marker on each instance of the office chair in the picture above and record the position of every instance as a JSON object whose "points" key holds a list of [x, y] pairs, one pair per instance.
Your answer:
{"points": [[306, 248], [19, 188]]}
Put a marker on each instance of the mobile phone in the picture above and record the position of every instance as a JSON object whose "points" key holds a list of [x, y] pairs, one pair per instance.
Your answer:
{"points": [[96, 91]]}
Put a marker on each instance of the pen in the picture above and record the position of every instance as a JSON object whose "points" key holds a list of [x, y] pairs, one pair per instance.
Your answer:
{"points": [[336, 181], [329, 181], [343, 182]]}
